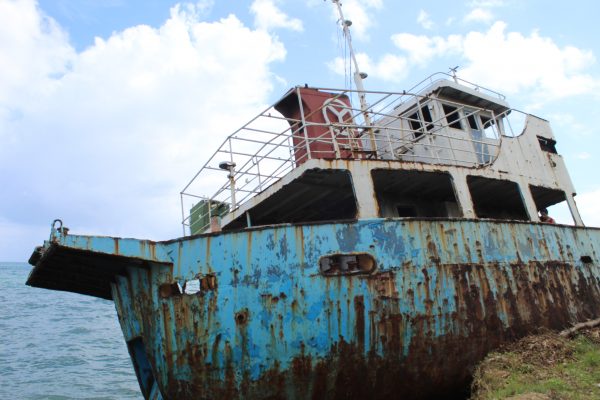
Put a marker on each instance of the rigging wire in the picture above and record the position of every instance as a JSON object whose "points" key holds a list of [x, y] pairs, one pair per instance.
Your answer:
{"points": [[343, 50], [347, 62]]}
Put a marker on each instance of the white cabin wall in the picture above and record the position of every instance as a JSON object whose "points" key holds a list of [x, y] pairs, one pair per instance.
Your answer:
{"points": [[461, 190], [364, 191]]}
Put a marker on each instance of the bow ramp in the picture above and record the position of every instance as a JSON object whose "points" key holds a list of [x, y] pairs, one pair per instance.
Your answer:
{"points": [[89, 264]]}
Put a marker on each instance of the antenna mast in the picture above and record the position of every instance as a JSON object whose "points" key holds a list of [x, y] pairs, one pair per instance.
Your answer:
{"points": [[358, 75]]}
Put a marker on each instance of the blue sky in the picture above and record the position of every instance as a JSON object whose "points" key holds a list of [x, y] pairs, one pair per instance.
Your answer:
{"points": [[108, 108]]}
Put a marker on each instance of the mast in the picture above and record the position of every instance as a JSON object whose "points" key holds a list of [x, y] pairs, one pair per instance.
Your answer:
{"points": [[358, 75]]}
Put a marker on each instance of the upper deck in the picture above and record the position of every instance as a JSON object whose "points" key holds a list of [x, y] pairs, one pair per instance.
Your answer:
{"points": [[445, 148]]}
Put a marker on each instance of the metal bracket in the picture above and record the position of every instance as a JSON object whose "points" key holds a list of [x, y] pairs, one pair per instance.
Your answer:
{"points": [[57, 230]]}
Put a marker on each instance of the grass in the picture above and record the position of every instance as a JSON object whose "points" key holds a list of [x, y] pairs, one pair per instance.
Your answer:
{"points": [[542, 367]]}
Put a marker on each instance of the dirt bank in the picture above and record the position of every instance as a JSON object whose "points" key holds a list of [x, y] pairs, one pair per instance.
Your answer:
{"points": [[542, 367]]}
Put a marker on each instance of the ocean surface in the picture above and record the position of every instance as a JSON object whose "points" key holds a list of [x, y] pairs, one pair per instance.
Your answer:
{"points": [[58, 345]]}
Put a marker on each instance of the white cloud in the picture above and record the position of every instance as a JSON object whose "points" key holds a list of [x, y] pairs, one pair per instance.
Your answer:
{"points": [[421, 49], [390, 67], [481, 10], [515, 63], [360, 13], [479, 15], [570, 123], [583, 155], [268, 16], [487, 3], [107, 137], [587, 203], [26, 36], [424, 20], [192, 11]]}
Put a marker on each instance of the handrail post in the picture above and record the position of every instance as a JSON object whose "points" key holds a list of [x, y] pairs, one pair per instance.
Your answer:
{"points": [[303, 122]]}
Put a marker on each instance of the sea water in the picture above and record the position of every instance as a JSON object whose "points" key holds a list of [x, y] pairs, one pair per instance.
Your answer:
{"points": [[59, 345]]}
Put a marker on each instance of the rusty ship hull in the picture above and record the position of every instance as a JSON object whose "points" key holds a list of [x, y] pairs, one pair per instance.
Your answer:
{"points": [[264, 322]]}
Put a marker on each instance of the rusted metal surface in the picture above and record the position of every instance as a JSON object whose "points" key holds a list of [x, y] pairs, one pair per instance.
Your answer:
{"points": [[442, 294], [312, 114]]}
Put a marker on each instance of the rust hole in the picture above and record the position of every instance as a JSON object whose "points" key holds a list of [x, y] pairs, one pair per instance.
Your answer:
{"points": [[169, 289], [200, 284], [241, 317], [586, 259], [347, 264]]}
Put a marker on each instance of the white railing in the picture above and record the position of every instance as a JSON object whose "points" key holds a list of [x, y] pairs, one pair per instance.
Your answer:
{"points": [[270, 145], [438, 76]]}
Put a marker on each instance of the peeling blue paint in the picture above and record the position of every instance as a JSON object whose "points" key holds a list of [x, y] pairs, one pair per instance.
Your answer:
{"points": [[434, 280]]}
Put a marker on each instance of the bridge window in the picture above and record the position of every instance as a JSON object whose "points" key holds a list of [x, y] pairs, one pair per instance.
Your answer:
{"points": [[418, 119], [415, 125], [489, 127], [472, 121], [452, 116]]}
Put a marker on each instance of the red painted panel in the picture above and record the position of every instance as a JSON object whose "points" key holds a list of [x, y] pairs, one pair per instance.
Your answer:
{"points": [[325, 115]]}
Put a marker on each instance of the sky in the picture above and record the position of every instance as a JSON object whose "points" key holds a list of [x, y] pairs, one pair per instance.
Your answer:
{"points": [[108, 108]]}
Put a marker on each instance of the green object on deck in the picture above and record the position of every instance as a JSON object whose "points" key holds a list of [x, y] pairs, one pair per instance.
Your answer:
{"points": [[200, 216]]}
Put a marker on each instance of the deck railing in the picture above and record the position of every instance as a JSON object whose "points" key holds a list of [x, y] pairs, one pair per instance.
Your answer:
{"points": [[270, 145]]}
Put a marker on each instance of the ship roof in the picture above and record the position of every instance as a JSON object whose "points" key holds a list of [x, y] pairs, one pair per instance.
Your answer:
{"points": [[473, 95]]}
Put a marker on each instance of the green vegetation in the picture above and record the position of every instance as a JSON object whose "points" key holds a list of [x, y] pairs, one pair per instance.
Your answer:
{"points": [[542, 367]]}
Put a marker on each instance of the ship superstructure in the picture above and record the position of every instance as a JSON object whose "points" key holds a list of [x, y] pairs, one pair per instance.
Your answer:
{"points": [[447, 150]]}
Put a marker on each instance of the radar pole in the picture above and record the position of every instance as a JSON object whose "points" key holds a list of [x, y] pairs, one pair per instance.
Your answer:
{"points": [[358, 76]]}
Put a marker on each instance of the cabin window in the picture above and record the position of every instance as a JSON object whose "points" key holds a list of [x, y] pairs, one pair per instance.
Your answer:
{"points": [[472, 121], [496, 198], [402, 193], [547, 145], [555, 201], [415, 125], [317, 195], [489, 127], [420, 122], [452, 116], [427, 117]]}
